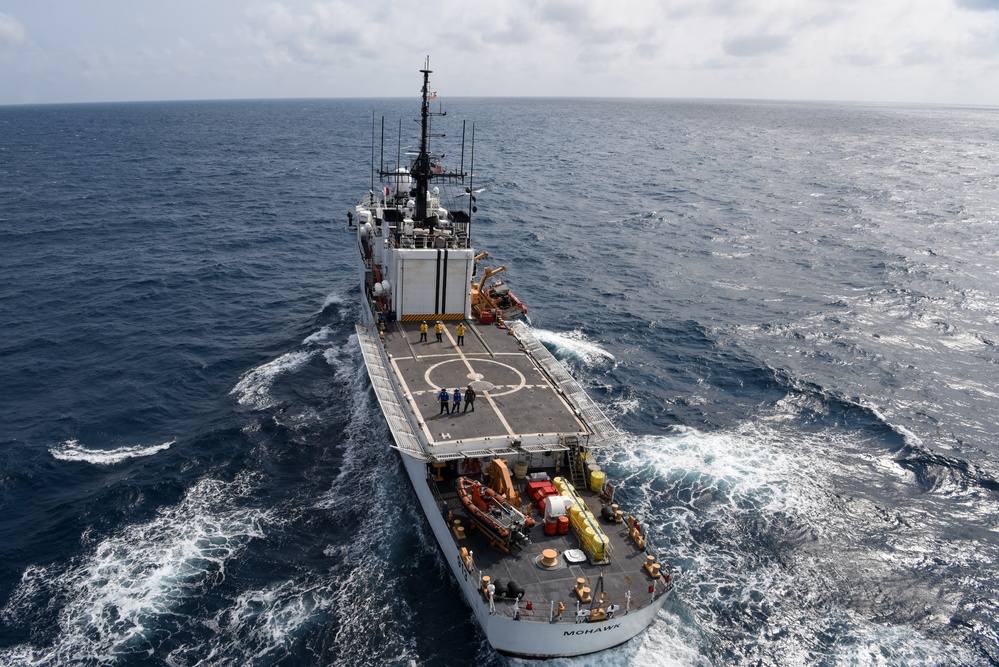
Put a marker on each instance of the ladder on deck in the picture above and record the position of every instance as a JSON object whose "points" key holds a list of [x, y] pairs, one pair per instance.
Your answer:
{"points": [[575, 462]]}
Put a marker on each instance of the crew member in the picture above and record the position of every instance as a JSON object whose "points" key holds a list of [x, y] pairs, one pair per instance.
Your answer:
{"points": [[460, 330], [444, 397], [469, 399], [423, 332], [439, 329], [457, 401]]}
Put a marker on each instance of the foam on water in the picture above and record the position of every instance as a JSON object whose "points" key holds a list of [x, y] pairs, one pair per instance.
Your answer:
{"points": [[575, 344], [371, 496], [321, 337], [120, 600], [253, 389], [344, 304], [338, 299], [343, 359], [263, 625], [72, 450], [775, 561], [624, 405], [735, 469], [284, 619], [671, 641]]}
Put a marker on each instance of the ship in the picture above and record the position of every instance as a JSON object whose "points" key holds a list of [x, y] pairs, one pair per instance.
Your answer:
{"points": [[526, 519]]}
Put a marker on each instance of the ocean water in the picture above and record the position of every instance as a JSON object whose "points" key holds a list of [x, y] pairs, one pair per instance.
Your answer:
{"points": [[791, 309]]}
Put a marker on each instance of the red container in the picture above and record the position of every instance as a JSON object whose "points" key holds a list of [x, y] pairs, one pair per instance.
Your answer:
{"points": [[538, 491], [563, 525], [486, 317], [551, 526]]}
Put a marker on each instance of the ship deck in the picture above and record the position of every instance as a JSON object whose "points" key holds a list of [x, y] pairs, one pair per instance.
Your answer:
{"points": [[526, 405], [523, 404], [546, 587]]}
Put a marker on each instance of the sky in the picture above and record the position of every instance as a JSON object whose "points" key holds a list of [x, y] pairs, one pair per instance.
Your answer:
{"points": [[910, 51]]}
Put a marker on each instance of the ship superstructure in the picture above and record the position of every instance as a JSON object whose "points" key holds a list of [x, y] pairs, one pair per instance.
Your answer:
{"points": [[524, 516]]}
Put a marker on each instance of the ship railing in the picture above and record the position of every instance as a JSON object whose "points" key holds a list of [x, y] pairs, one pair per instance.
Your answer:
{"points": [[544, 447], [442, 505], [604, 430], [377, 365], [441, 453], [572, 612], [361, 251], [546, 611]]}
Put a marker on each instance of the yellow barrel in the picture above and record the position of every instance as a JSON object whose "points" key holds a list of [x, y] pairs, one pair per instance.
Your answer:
{"points": [[600, 548], [594, 542], [562, 486], [576, 515], [597, 481]]}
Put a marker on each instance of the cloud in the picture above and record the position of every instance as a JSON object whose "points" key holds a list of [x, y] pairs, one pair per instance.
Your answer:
{"points": [[12, 33], [326, 33], [828, 49], [979, 5], [754, 45], [861, 60]]}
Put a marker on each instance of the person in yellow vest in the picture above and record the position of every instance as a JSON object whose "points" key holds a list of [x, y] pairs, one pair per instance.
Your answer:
{"points": [[423, 332], [460, 330], [439, 329]]}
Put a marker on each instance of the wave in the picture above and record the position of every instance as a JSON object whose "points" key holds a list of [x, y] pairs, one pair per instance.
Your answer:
{"points": [[574, 344], [262, 625], [779, 532], [371, 500], [72, 450], [253, 389], [321, 337], [335, 299], [341, 306], [118, 602], [741, 470], [934, 471], [344, 359], [162, 588]]}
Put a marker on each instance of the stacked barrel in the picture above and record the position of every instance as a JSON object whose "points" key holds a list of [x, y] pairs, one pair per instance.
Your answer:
{"points": [[591, 538]]}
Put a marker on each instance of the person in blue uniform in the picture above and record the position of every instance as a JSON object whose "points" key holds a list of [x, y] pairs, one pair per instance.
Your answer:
{"points": [[443, 397], [457, 401]]}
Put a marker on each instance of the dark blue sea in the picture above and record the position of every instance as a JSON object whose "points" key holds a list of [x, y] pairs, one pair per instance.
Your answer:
{"points": [[792, 309]]}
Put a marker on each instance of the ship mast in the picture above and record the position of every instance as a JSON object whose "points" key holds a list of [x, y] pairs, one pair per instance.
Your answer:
{"points": [[421, 166], [426, 167]]}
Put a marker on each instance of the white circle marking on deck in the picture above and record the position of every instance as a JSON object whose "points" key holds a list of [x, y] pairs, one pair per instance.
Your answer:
{"points": [[523, 380]]}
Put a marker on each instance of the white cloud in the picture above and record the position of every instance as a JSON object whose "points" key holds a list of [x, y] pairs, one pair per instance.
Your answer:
{"points": [[939, 50], [12, 33], [324, 33], [755, 45], [979, 5]]}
